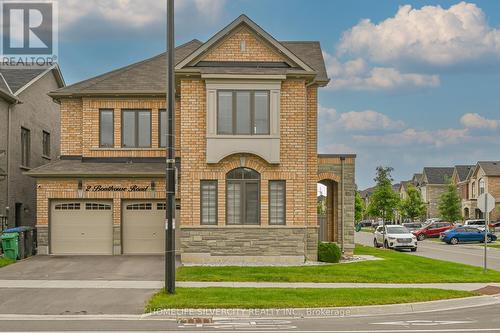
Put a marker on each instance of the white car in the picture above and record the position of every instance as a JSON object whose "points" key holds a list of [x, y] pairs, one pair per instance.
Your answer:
{"points": [[394, 237], [478, 223]]}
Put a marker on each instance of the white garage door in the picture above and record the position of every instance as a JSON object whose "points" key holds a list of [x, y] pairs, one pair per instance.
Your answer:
{"points": [[81, 227], [143, 227]]}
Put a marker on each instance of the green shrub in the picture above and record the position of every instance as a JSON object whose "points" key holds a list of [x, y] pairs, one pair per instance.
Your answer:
{"points": [[329, 252]]}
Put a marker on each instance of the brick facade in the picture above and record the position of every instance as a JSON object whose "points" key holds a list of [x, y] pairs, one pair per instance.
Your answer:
{"points": [[298, 166], [254, 49]]}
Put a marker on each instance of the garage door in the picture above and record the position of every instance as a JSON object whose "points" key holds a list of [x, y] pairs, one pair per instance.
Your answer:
{"points": [[143, 227], [81, 227]]}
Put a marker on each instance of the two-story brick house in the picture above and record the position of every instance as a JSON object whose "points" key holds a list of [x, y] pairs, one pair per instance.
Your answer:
{"points": [[432, 185], [29, 137], [484, 178], [246, 146], [461, 177]]}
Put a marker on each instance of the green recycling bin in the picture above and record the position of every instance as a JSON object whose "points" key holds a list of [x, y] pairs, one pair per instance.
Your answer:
{"points": [[10, 245]]}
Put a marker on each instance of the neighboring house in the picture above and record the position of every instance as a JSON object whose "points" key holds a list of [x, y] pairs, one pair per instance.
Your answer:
{"points": [[485, 177], [29, 137], [432, 185], [366, 194], [460, 178], [246, 144]]}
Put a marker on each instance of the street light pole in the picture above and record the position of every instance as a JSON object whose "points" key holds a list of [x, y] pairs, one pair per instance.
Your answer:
{"points": [[170, 171]]}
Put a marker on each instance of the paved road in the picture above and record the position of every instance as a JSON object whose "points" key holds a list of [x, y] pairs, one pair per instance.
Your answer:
{"points": [[477, 319], [470, 254]]}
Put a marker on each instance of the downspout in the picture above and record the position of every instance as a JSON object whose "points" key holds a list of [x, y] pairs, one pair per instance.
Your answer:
{"points": [[305, 176], [7, 207], [307, 85], [342, 194]]}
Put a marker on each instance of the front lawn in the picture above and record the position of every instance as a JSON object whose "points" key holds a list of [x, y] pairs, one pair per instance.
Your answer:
{"points": [[395, 268], [252, 298], [5, 261]]}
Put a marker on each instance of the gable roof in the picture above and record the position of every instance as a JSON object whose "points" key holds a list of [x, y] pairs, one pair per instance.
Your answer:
{"points": [[490, 168], [437, 175], [246, 21], [16, 79], [148, 77], [462, 171]]}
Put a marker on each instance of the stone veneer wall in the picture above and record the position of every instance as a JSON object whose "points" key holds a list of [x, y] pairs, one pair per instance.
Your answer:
{"points": [[235, 245]]}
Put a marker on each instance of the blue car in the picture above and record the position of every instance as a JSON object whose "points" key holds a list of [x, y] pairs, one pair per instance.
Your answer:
{"points": [[465, 235]]}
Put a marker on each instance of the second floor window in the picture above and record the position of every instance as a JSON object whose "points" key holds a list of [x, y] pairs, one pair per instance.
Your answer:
{"points": [[243, 112], [136, 128], [481, 186], [106, 128], [46, 144], [25, 147]]}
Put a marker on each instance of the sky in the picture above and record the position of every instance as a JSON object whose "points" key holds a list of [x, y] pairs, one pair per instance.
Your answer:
{"points": [[413, 83]]}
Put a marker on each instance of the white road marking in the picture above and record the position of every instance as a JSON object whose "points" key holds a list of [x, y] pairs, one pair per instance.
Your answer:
{"points": [[408, 323]]}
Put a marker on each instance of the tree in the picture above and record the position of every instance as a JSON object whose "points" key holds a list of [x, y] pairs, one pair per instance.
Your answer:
{"points": [[412, 206], [384, 201], [359, 207], [449, 204]]}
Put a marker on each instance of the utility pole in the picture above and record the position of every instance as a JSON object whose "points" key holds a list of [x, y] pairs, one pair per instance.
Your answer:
{"points": [[170, 171]]}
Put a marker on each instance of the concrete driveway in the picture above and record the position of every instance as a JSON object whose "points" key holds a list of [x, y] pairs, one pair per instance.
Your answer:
{"points": [[30, 296]]}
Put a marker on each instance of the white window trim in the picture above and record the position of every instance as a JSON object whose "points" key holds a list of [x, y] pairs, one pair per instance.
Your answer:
{"points": [[220, 146]]}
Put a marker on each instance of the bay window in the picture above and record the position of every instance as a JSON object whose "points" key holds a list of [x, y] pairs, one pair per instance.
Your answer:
{"points": [[243, 112]]}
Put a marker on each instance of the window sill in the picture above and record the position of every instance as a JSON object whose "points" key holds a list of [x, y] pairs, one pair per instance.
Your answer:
{"points": [[25, 168], [126, 149], [45, 157], [230, 136]]}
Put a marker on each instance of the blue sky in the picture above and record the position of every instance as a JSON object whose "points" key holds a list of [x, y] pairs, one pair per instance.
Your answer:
{"points": [[414, 83]]}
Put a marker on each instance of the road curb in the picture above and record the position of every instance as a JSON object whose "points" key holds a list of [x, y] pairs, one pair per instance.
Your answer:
{"points": [[355, 311]]}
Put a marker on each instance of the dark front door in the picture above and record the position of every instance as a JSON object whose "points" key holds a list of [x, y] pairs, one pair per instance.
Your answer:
{"points": [[18, 217]]}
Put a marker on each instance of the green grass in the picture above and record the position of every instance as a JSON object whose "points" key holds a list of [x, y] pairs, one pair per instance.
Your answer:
{"points": [[370, 230], [495, 246], [5, 261], [245, 298], [395, 268]]}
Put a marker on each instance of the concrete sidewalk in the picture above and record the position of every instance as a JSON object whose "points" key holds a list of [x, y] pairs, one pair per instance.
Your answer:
{"points": [[116, 284]]}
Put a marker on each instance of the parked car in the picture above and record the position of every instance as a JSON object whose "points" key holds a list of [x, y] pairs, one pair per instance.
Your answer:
{"points": [[465, 234], [365, 223], [394, 237], [475, 223], [413, 225], [434, 229]]}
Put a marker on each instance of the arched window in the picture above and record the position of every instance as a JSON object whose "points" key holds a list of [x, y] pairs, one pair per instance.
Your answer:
{"points": [[243, 196]]}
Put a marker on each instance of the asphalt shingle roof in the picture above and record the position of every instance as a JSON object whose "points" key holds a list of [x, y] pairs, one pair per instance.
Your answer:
{"points": [[463, 171], [17, 78], [69, 168], [438, 175], [149, 76], [490, 168]]}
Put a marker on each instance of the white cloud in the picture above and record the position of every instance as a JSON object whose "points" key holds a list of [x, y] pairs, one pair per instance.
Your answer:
{"points": [[410, 136], [135, 15], [475, 120], [430, 35], [367, 120], [357, 75]]}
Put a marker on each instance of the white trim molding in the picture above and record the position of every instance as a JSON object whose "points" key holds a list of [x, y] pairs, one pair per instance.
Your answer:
{"points": [[264, 146]]}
